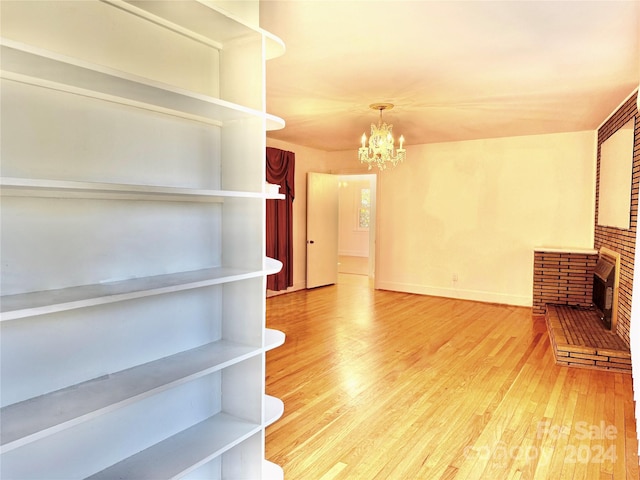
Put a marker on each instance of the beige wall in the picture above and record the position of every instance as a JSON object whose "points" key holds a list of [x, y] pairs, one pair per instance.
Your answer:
{"points": [[475, 209]]}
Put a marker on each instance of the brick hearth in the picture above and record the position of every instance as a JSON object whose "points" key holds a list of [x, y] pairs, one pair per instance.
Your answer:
{"points": [[579, 339]]}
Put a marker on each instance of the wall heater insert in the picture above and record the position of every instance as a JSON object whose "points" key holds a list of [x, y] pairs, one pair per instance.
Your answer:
{"points": [[603, 283]]}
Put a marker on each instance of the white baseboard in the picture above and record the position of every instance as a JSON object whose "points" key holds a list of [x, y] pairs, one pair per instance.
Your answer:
{"points": [[352, 253], [476, 295]]}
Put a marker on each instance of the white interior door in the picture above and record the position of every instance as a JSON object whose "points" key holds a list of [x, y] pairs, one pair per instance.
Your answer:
{"points": [[322, 229]]}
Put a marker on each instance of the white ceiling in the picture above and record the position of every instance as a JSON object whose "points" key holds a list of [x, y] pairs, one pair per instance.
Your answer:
{"points": [[455, 70]]}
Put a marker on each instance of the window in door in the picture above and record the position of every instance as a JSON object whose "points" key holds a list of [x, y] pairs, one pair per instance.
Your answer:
{"points": [[364, 209]]}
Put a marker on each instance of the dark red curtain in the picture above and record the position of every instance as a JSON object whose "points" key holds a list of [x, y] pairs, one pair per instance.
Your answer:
{"points": [[281, 171]]}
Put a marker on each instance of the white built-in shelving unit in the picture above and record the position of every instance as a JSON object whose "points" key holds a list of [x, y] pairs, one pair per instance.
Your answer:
{"points": [[132, 237]]}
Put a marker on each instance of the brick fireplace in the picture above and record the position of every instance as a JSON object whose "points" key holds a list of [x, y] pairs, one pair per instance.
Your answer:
{"points": [[563, 278], [563, 293]]}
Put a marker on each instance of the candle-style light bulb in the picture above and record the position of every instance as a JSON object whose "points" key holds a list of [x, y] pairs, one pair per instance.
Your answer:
{"points": [[364, 140], [401, 141]]}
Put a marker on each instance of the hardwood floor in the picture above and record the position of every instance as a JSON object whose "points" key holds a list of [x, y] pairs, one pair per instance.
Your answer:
{"points": [[388, 385]]}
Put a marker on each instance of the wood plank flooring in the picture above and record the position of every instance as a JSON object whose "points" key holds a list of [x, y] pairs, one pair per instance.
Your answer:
{"points": [[388, 385]]}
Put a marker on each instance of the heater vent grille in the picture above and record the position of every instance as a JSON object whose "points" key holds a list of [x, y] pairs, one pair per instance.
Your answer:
{"points": [[603, 283]]}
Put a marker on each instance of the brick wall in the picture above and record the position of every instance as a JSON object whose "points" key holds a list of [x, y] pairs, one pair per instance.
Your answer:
{"points": [[616, 239], [562, 278]]}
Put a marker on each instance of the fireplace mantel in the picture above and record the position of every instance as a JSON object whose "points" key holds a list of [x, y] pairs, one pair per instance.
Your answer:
{"points": [[582, 251]]}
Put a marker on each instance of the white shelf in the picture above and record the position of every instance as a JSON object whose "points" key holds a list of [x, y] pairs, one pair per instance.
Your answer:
{"points": [[273, 409], [273, 339], [181, 453], [49, 301], [127, 131], [271, 471], [30, 187], [272, 266], [39, 417], [36, 66], [202, 21], [275, 196]]}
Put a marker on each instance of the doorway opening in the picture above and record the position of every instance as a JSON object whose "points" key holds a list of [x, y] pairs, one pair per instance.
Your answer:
{"points": [[356, 227]]}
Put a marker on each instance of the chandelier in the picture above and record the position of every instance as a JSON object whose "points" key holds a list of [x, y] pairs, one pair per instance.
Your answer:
{"points": [[381, 150]]}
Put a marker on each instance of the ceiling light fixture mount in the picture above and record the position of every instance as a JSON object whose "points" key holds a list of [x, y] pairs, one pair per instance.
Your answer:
{"points": [[381, 150]]}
